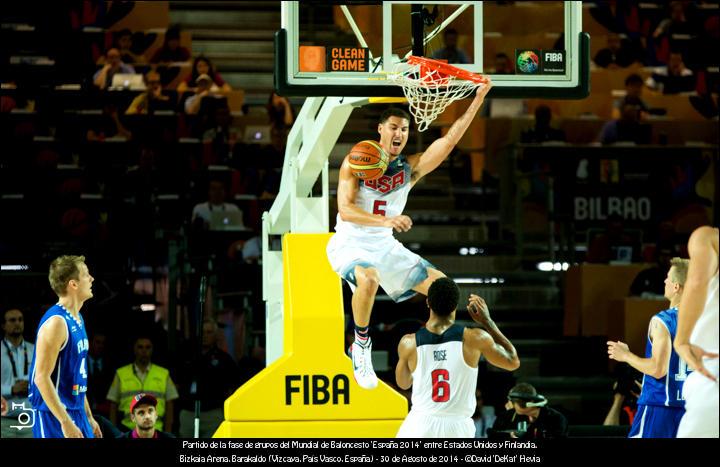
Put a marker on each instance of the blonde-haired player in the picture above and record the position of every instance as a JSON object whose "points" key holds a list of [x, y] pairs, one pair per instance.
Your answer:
{"points": [[660, 405]]}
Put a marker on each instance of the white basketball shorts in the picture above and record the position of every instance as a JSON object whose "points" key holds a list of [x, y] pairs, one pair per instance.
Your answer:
{"points": [[701, 404], [430, 426], [399, 268]]}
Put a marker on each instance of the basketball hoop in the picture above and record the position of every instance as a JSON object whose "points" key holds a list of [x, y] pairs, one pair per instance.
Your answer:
{"points": [[431, 85]]}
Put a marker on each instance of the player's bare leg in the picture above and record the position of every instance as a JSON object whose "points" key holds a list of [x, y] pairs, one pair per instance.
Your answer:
{"points": [[368, 281], [424, 286]]}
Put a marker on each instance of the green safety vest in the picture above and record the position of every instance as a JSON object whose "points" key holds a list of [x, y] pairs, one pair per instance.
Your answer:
{"points": [[155, 383]]}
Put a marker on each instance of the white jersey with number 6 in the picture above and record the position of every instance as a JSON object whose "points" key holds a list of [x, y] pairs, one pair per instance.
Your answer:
{"points": [[443, 391]]}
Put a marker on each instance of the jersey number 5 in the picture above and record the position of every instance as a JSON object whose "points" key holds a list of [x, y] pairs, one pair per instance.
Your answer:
{"points": [[379, 207], [440, 385]]}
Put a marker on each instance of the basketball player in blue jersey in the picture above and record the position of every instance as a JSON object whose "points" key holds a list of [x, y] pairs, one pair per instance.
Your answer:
{"points": [[661, 404], [363, 250], [440, 362], [58, 379], [698, 336]]}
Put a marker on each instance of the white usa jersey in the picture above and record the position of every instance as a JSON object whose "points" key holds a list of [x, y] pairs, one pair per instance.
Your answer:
{"points": [[386, 195], [705, 333], [443, 384]]}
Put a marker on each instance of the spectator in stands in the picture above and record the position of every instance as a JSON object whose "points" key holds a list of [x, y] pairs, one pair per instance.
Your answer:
{"points": [[503, 65], [171, 50], [113, 65], [201, 213], [633, 94], [617, 54], [451, 52], [217, 377], [529, 417], [17, 356], [282, 117], [202, 66], [100, 374], [677, 23], [673, 78], [280, 112], [220, 137], [124, 43], [542, 131], [626, 390], [142, 375], [204, 90], [627, 128], [154, 98], [144, 415]]}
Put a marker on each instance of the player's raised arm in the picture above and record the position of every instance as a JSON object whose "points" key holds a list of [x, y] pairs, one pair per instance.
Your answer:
{"points": [[493, 344], [51, 338], [350, 212], [438, 151]]}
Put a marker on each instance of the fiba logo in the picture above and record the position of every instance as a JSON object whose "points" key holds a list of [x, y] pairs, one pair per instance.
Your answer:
{"points": [[26, 417], [528, 62]]}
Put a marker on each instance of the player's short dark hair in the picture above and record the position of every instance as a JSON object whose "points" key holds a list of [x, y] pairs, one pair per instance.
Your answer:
{"points": [[443, 296], [633, 79], [394, 112]]}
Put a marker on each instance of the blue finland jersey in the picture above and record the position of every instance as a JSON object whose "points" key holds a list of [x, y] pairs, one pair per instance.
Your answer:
{"points": [[69, 377], [665, 391]]}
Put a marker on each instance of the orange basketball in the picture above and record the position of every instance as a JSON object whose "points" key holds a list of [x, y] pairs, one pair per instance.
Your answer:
{"points": [[368, 160]]}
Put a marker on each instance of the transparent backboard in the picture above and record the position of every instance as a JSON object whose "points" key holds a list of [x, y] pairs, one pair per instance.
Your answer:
{"points": [[529, 49]]}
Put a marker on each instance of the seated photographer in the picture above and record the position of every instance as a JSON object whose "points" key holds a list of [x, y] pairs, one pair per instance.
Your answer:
{"points": [[528, 417], [626, 390]]}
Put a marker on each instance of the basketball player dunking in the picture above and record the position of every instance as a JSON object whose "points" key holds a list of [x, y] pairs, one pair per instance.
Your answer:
{"points": [[363, 251], [440, 362], [697, 337], [58, 377]]}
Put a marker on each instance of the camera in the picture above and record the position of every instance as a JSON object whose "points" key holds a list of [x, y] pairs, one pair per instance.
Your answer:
{"points": [[25, 418]]}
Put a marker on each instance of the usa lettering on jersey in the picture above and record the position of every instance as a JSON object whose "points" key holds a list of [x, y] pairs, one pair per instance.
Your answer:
{"points": [[385, 184]]}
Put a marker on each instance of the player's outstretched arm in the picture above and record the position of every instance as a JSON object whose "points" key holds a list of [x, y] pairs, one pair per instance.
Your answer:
{"points": [[406, 350], [497, 348], [703, 265], [438, 151], [655, 366], [350, 212], [51, 337]]}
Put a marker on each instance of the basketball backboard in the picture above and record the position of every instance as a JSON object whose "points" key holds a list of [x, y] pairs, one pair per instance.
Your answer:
{"points": [[529, 49]]}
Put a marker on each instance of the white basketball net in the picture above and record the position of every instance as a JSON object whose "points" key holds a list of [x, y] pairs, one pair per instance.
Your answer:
{"points": [[429, 95]]}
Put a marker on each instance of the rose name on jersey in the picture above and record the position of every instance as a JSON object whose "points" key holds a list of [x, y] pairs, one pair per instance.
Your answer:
{"points": [[386, 183]]}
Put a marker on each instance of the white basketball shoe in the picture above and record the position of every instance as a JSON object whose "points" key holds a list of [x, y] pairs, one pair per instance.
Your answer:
{"points": [[362, 365]]}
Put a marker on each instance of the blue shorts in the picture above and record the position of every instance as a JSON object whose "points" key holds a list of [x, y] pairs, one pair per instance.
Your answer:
{"points": [[652, 421], [47, 426]]}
